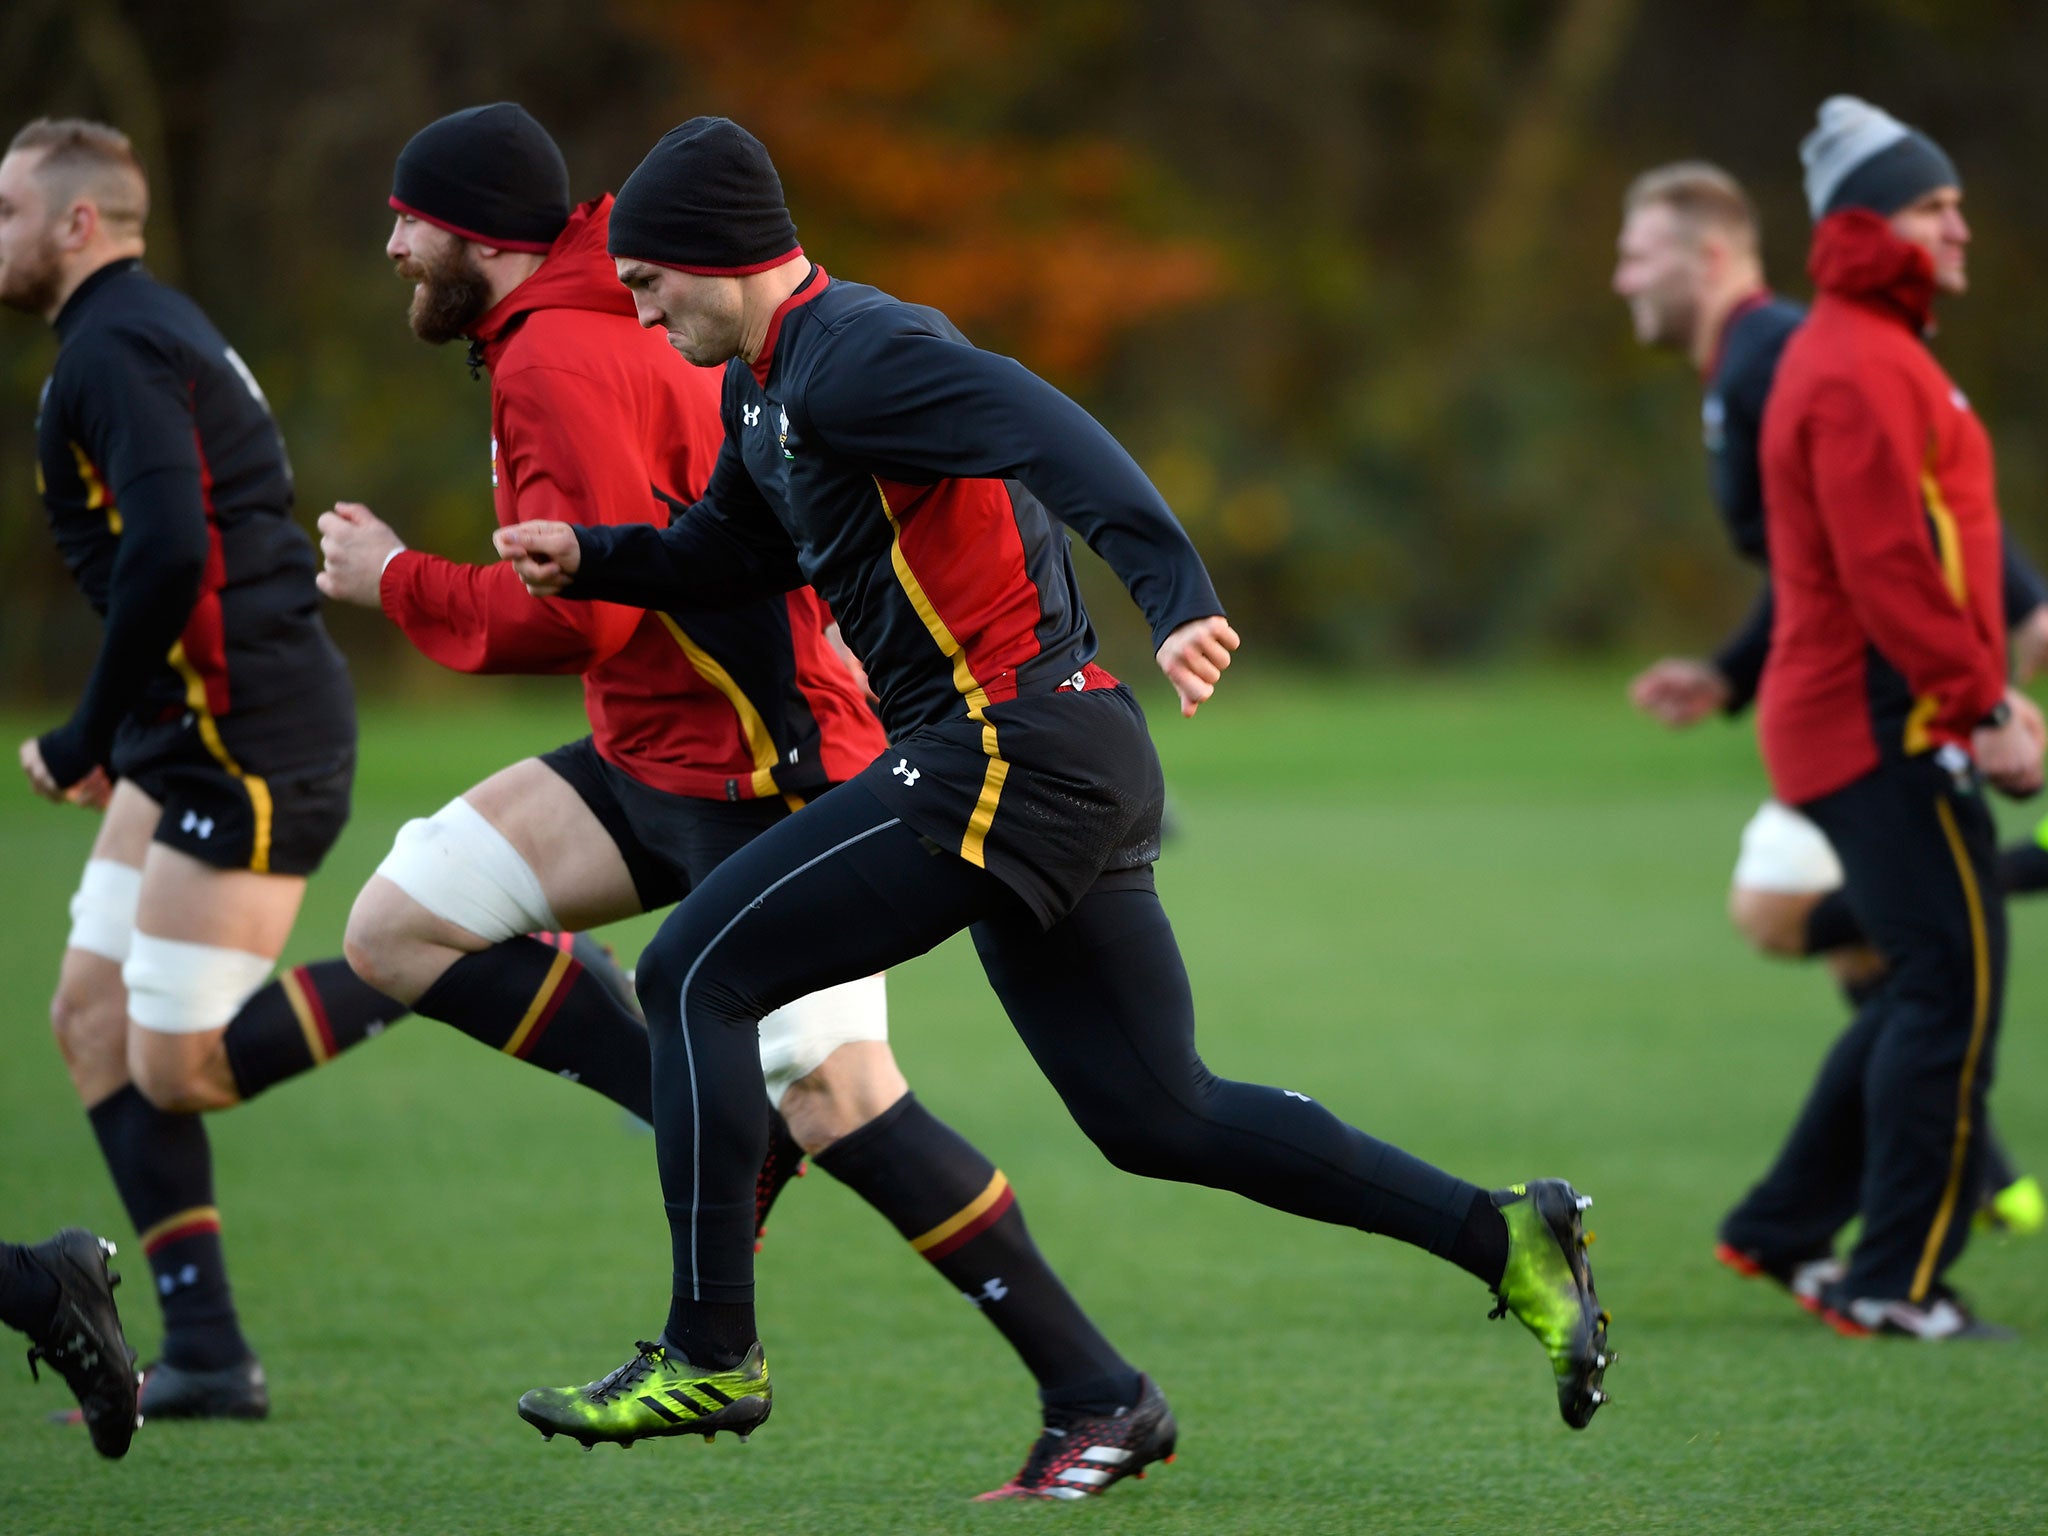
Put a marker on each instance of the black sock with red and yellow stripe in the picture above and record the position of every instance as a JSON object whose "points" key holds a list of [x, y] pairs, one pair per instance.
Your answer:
{"points": [[961, 1217], [304, 1019], [533, 999], [163, 1168]]}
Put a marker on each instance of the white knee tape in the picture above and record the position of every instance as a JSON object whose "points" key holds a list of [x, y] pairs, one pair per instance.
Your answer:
{"points": [[176, 988], [796, 1038], [103, 909], [465, 871], [1783, 851]]}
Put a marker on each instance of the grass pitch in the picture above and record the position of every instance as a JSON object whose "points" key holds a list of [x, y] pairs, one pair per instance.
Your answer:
{"points": [[1481, 919]]}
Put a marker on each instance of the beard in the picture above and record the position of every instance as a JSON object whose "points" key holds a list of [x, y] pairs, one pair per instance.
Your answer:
{"points": [[449, 296], [30, 281], [1666, 320]]}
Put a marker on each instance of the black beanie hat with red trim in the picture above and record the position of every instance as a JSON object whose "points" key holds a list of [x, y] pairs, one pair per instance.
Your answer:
{"points": [[706, 200], [489, 174]]}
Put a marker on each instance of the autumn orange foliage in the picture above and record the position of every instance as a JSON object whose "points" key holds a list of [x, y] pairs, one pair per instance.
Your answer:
{"points": [[886, 123]]}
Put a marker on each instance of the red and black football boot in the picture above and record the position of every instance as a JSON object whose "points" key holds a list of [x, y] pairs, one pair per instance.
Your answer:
{"points": [[1077, 1455]]}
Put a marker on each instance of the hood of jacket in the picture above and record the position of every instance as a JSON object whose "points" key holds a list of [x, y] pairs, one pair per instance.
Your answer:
{"points": [[1856, 256], [575, 274]]}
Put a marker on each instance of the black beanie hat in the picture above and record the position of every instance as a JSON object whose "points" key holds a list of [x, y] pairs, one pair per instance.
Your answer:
{"points": [[489, 174], [706, 200]]}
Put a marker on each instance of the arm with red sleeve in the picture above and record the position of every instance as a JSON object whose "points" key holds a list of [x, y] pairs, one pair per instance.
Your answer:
{"points": [[1865, 439], [566, 459]]}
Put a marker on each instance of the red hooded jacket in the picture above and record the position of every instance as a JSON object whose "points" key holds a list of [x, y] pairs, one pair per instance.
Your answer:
{"points": [[1882, 518], [594, 420]]}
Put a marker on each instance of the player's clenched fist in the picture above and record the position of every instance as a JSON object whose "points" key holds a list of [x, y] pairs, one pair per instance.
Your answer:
{"points": [[1194, 657], [544, 554]]}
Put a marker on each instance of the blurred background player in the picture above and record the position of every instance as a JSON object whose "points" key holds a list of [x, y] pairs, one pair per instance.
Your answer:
{"points": [[61, 1294], [909, 475], [706, 727], [217, 731], [1884, 710], [1691, 271]]}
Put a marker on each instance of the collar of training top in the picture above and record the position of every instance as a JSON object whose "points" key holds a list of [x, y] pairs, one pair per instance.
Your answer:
{"points": [[1856, 256], [74, 306], [1748, 304], [808, 290]]}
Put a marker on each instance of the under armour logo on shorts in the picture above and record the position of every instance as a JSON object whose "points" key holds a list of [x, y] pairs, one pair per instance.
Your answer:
{"points": [[196, 824], [906, 773]]}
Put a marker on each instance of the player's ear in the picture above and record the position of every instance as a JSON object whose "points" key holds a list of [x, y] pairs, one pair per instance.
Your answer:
{"points": [[78, 225]]}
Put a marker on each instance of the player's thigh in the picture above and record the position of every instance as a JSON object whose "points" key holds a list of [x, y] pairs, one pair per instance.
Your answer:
{"points": [[840, 891], [1102, 1002], [582, 872], [1785, 866]]}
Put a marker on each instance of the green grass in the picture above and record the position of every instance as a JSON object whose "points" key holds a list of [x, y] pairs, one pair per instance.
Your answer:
{"points": [[1481, 919]]}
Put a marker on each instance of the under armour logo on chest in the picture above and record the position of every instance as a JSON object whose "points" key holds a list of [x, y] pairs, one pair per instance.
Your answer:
{"points": [[751, 415], [906, 773]]}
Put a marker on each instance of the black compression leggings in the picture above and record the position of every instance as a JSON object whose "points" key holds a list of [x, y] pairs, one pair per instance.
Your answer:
{"points": [[843, 890]]}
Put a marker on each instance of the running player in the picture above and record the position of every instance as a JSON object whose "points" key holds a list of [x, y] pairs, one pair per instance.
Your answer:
{"points": [[217, 730], [871, 450], [1884, 713], [707, 728], [61, 1294], [1689, 267]]}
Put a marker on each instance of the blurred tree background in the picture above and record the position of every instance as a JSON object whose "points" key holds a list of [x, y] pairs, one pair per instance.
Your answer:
{"points": [[1335, 270]]}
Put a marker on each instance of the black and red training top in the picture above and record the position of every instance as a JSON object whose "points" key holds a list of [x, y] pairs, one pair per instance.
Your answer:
{"points": [[168, 490], [919, 484], [597, 422]]}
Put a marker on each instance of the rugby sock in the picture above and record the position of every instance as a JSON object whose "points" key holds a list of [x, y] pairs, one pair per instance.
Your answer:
{"points": [[304, 1019], [712, 1335], [1832, 923], [1481, 1246], [959, 1214], [163, 1170], [534, 1000], [28, 1293]]}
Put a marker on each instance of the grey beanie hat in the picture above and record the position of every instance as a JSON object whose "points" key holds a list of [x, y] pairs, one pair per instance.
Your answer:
{"points": [[1860, 156]]}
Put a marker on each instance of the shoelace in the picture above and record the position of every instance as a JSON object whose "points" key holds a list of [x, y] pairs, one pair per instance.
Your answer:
{"points": [[631, 1374]]}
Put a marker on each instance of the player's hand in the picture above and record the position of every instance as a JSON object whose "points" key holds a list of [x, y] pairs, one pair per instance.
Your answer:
{"points": [[1194, 657], [2029, 645], [39, 778], [1678, 691], [544, 554], [92, 792], [355, 544], [2009, 755]]}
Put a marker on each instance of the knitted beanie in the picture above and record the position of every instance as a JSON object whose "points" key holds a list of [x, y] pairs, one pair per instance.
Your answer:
{"points": [[489, 174], [1860, 156], [706, 200]]}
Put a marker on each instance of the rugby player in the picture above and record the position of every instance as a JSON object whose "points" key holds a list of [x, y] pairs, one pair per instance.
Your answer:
{"points": [[217, 732], [1689, 268], [911, 478], [1885, 716], [709, 725], [61, 1294]]}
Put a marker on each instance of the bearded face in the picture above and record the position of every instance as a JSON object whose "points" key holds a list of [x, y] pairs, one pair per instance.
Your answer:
{"points": [[30, 257], [450, 292]]}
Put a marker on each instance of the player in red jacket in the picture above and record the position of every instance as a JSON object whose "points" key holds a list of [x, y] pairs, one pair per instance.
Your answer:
{"points": [[1883, 712], [707, 728]]}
